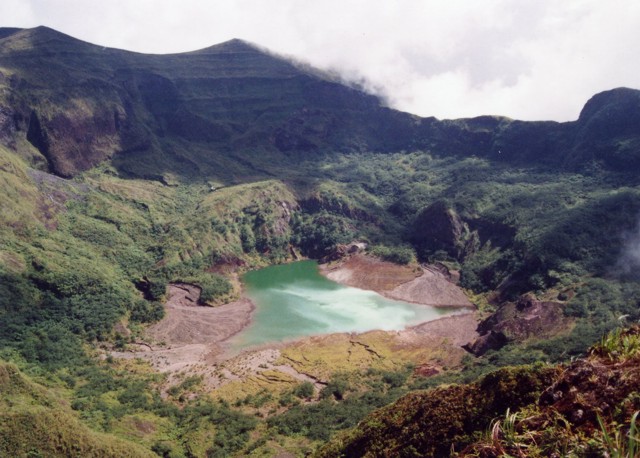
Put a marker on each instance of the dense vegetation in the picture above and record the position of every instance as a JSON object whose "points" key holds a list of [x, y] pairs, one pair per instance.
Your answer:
{"points": [[110, 237], [164, 183], [586, 408]]}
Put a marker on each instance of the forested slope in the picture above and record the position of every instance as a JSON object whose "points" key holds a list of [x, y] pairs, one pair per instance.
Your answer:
{"points": [[123, 172]]}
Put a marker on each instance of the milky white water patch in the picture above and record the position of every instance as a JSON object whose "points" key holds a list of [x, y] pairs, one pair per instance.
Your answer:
{"points": [[294, 300]]}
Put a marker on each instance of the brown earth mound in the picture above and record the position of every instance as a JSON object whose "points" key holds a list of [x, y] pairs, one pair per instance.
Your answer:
{"points": [[518, 321], [422, 285], [186, 324]]}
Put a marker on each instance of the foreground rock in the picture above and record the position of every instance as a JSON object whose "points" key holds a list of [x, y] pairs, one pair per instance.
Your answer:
{"points": [[564, 411]]}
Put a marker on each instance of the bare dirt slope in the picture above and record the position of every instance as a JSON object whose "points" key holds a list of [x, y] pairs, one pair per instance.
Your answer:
{"points": [[418, 285], [187, 323], [190, 334], [457, 330]]}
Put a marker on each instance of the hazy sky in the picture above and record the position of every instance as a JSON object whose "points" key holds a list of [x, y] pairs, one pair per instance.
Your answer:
{"points": [[536, 59]]}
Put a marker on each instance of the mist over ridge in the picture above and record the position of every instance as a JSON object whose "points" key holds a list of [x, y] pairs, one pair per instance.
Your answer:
{"points": [[140, 108]]}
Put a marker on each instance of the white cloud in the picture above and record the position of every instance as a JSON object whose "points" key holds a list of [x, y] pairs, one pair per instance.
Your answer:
{"points": [[17, 12], [526, 60]]}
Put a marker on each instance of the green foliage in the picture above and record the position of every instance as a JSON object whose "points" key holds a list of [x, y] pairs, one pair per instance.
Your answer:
{"points": [[232, 432], [51, 344], [485, 269], [35, 423], [305, 390], [317, 234], [135, 396], [231, 427], [503, 431], [620, 443], [247, 238], [618, 345], [343, 403], [187, 385], [156, 289], [336, 388], [214, 287], [144, 311], [397, 254], [321, 420], [395, 379]]}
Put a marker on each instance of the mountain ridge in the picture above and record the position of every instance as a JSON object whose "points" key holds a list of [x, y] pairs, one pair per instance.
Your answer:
{"points": [[130, 102], [237, 96]]}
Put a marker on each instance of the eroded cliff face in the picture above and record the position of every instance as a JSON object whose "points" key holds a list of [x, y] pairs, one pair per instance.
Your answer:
{"points": [[78, 138], [438, 227]]}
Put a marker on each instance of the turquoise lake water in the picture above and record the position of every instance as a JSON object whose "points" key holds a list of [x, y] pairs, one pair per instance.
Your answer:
{"points": [[294, 300]]}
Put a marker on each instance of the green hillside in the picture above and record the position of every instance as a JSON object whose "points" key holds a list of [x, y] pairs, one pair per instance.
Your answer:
{"points": [[122, 172], [36, 421], [586, 408]]}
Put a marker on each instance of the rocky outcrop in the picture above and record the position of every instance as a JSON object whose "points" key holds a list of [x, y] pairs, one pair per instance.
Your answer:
{"points": [[565, 408], [438, 227], [343, 250], [76, 139], [335, 204], [489, 341], [7, 125], [183, 294], [518, 321], [442, 420]]}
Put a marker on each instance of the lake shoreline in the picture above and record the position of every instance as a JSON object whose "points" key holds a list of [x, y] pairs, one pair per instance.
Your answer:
{"points": [[240, 314], [397, 282], [198, 339]]}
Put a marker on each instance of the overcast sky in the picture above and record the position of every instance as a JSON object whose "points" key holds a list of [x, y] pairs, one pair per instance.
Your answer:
{"points": [[536, 59]]}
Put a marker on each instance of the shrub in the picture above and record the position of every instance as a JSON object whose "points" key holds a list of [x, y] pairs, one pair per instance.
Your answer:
{"points": [[144, 311], [304, 391], [337, 388], [397, 254]]}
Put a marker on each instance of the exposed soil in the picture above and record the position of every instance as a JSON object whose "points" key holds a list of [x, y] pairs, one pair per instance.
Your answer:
{"points": [[424, 285], [190, 324], [456, 329], [189, 334]]}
